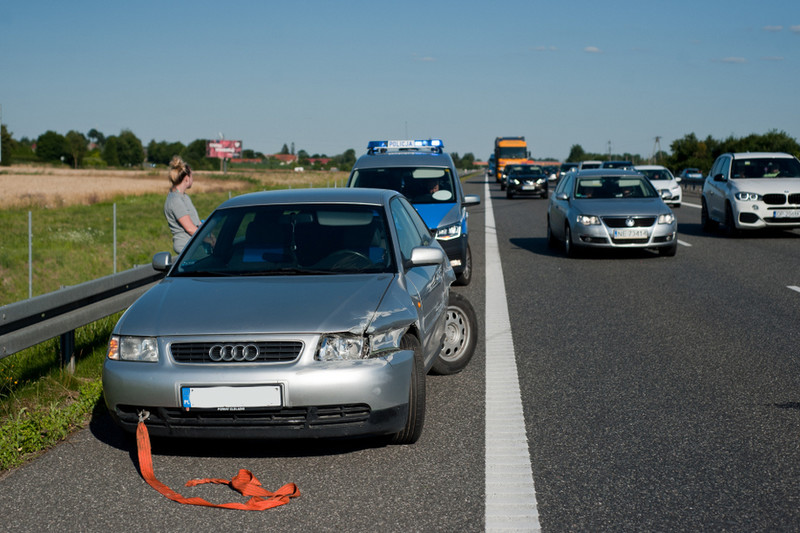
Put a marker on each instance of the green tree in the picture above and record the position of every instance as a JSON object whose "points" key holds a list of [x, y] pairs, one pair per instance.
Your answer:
{"points": [[195, 155], [6, 146], [129, 149], [576, 154], [284, 150], [51, 146], [96, 137], [110, 154], [76, 148]]}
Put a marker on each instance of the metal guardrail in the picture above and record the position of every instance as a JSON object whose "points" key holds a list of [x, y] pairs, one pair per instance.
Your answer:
{"points": [[58, 314]]}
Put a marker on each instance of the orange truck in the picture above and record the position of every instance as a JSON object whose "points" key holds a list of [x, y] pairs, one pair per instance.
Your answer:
{"points": [[509, 151]]}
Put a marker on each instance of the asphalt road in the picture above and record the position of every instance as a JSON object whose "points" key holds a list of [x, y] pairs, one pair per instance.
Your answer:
{"points": [[659, 394]]}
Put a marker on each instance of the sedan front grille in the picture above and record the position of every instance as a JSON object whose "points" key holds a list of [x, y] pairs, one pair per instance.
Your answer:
{"points": [[622, 222], [209, 352]]}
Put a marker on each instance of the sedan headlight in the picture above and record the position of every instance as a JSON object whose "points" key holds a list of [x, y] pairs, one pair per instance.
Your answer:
{"points": [[342, 348], [515, 181], [127, 348], [669, 218], [453, 231], [588, 220], [748, 196]]}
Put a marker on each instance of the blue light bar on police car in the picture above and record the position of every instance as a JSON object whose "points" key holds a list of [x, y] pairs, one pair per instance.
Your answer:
{"points": [[435, 145]]}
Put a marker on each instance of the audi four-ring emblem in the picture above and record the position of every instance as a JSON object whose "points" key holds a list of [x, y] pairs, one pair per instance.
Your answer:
{"points": [[233, 352]]}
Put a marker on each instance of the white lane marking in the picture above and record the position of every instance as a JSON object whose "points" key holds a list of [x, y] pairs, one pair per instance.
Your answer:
{"points": [[793, 287], [510, 494], [684, 243], [692, 205]]}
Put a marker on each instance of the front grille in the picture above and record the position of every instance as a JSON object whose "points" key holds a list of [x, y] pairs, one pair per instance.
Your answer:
{"points": [[287, 417], [774, 199], [621, 222], [794, 198], [629, 241], [268, 352]]}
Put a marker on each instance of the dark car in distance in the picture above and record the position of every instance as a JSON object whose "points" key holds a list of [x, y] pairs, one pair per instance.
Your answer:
{"points": [[526, 180]]}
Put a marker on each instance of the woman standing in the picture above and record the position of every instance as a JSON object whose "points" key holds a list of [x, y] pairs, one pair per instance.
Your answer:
{"points": [[181, 215]]}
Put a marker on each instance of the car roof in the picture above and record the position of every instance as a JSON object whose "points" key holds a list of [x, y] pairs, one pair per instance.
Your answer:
{"points": [[404, 159], [753, 155], [606, 172], [650, 167], [305, 196]]}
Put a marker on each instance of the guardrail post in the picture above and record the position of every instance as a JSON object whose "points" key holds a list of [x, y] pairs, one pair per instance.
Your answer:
{"points": [[68, 351]]}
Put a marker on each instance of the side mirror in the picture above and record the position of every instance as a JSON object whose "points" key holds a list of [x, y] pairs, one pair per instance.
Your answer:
{"points": [[471, 199], [564, 197], [719, 177], [427, 255], [162, 261]]}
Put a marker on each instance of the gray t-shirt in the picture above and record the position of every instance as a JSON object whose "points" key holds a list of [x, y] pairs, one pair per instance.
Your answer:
{"points": [[176, 206]]}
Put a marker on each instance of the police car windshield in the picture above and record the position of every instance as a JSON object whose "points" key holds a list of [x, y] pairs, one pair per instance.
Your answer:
{"points": [[421, 185]]}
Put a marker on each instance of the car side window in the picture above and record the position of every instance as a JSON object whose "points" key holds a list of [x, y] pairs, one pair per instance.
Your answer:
{"points": [[409, 233]]}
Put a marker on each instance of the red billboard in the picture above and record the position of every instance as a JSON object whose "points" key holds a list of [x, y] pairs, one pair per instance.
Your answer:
{"points": [[224, 149]]}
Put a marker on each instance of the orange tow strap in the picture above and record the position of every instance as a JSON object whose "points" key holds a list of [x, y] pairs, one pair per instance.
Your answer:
{"points": [[244, 482]]}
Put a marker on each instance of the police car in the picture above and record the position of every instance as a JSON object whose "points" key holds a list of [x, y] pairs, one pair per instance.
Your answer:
{"points": [[426, 175]]}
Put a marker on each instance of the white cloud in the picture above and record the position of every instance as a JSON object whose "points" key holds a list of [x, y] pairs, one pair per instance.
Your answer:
{"points": [[734, 60], [795, 29], [545, 48], [592, 50], [772, 28]]}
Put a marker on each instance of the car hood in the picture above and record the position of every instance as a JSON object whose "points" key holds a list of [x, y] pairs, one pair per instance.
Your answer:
{"points": [[438, 215], [621, 207], [664, 183], [766, 185], [301, 304]]}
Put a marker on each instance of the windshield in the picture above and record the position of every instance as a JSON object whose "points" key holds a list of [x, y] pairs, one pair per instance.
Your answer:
{"points": [[512, 152], [766, 167], [421, 185], [607, 187], [656, 174], [289, 239]]}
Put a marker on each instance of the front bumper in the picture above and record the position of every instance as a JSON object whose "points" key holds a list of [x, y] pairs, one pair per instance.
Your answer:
{"points": [[759, 215], [603, 236], [318, 399], [527, 189]]}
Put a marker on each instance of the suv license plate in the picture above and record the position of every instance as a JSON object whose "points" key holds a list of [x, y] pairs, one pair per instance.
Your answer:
{"points": [[231, 397], [787, 213]]}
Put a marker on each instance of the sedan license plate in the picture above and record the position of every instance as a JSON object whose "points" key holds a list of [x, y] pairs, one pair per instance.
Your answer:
{"points": [[787, 213], [630, 234], [529, 187], [231, 397]]}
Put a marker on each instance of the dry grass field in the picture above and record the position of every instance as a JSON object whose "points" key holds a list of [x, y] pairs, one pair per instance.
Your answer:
{"points": [[49, 187]]}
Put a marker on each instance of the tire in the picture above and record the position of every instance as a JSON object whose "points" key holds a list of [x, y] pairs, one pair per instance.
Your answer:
{"points": [[570, 248], [509, 194], [705, 220], [544, 196], [461, 336], [466, 275], [730, 224], [416, 395]]}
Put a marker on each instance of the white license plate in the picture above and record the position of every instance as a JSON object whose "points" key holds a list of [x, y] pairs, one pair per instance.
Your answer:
{"points": [[630, 234], [231, 397], [787, 213], [529, 187]]}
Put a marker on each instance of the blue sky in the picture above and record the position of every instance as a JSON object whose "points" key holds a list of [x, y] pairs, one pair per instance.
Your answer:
{"points": [[330, 75]]}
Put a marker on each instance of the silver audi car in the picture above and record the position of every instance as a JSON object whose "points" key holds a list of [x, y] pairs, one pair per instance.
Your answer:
{"points": [[296, 313], [609, 208]]}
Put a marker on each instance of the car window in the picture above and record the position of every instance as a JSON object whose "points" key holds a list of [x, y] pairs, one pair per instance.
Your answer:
{"points": [[410, 229], [609, 187], [268, 240], [421, 185]]}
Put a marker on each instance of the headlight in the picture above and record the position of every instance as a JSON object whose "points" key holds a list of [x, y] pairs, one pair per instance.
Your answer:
{"points": [[125, 348], [342, 348], [515, 181], [669, 218], [540, 181], [452, 231], [748, 196], [588, 220]]}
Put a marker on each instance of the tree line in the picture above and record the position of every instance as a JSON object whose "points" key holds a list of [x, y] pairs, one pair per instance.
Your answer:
{"points": [[95, 150], [691, 152]]}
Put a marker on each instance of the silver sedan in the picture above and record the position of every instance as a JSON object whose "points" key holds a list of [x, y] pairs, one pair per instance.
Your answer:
{"points": [[306, 313], [610, 209]]}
